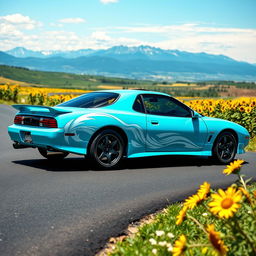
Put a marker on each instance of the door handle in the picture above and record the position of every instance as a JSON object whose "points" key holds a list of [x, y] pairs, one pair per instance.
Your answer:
{"points": [[154, 122]]}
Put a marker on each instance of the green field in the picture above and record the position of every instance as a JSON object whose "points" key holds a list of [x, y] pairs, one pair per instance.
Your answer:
{"points": [[65, 80], [27, 77]]}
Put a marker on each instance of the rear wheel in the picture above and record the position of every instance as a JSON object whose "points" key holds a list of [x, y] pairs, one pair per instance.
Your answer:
{"points": [[224, 149], [107, 149], [52, 155]]}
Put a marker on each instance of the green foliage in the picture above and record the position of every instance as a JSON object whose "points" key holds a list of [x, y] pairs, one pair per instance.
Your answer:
{"points": [[243, 85], [37, 99], [252, 145], [7, 94]]}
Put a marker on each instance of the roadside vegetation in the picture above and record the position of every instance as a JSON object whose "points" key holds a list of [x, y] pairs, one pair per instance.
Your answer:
{"points": [[210, 222], [252, 145]]}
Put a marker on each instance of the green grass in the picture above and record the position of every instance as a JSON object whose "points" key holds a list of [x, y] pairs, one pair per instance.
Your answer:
{"points": [[252, 145], [165, 221], [6, 102], [65, 80]]}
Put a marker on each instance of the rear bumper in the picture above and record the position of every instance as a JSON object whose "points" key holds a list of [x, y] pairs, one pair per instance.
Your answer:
{"points": [[45, 137]]}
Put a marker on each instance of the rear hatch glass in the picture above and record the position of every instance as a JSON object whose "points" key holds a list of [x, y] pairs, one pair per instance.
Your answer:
{"points": [[92, 100]]}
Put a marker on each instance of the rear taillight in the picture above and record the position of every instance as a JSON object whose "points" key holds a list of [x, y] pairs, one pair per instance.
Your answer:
{"points": [[48, 122], [18, 119], [36, 121]]}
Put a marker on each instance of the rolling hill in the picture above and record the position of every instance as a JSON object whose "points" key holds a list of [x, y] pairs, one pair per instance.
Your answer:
{"points": [[16, 75]]}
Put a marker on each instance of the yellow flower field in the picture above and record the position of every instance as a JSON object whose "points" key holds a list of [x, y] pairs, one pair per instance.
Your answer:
{"points": [[110, 87], [38, 95], [240, 110], [26, 90], [177, 85]]}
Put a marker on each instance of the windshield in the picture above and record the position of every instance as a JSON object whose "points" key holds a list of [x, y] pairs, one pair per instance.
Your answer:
{"points": [[92, 100]]}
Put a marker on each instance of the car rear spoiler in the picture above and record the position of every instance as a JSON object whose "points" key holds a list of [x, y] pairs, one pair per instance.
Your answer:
{"points": [[34, 108]]}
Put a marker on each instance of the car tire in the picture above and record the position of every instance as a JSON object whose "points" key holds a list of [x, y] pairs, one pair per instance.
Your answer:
{"points": [[52, 155], [224, 148], [107, 149]]}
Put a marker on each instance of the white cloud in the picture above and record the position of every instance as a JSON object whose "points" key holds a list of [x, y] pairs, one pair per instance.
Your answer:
{"points": [[109, 1], [19, 21], [8, 30], [13, 28], [72, 20], [100, 35], [189, 27], [57, 25], [236, 43]]}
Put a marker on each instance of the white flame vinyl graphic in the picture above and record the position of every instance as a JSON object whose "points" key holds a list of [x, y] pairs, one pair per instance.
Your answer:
{"points": [[136, 134]]}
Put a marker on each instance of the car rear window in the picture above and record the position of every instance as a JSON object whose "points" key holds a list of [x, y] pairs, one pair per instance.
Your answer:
{"points": [[92, 100]]}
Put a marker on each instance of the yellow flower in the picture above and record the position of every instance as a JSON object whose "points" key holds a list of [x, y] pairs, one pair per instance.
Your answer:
{"points": [[201, 194], [253, 103], [215, 240], [235, 104], [225, 203], [245, 193], [204, 250], [192, 201], [234, 167], [248, 110], [203, 190], [242, 109], [199, 110], [211, 109], [182, 214], [223, 108], [179, 246]]}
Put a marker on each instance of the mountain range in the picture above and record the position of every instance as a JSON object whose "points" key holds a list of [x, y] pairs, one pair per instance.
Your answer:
{"points": [[142, 62]]}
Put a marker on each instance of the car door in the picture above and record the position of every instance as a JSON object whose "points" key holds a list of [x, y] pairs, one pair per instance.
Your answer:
{"points": [[171, 127]]}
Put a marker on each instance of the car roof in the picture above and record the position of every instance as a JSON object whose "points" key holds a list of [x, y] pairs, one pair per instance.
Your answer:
{"points": [[133, 92]]}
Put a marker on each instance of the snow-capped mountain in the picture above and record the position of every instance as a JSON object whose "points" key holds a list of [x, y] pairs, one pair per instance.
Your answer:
{"points": [[133, 62], [123, 53], [22, 52]]}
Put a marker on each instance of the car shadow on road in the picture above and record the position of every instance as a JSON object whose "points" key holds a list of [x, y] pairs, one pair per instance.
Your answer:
{"points": [[73, 164]]}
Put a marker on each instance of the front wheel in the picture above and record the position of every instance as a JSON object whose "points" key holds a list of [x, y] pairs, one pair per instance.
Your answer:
{"points": [[107, 149], [224, 149], [52, 155]]}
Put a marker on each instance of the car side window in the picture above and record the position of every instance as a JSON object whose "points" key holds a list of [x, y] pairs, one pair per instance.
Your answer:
{"points": [[138, 105], [165, 106]]}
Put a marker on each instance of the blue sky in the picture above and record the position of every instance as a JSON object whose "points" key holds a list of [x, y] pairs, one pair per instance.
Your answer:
{"points": [[214, 26]]}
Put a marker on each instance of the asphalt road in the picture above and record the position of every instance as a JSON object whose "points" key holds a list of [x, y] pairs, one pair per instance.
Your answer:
{"points": [[67, 208]]}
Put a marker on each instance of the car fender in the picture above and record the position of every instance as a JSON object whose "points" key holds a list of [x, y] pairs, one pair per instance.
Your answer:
{"points": [[217, 125]]}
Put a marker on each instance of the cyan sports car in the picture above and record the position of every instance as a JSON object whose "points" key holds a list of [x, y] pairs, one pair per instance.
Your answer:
{"points": [[108, 126]]}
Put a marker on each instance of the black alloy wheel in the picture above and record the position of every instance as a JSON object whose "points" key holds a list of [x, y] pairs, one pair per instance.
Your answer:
{"points": [[107, 149], [224, 149], [52, 155]]}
